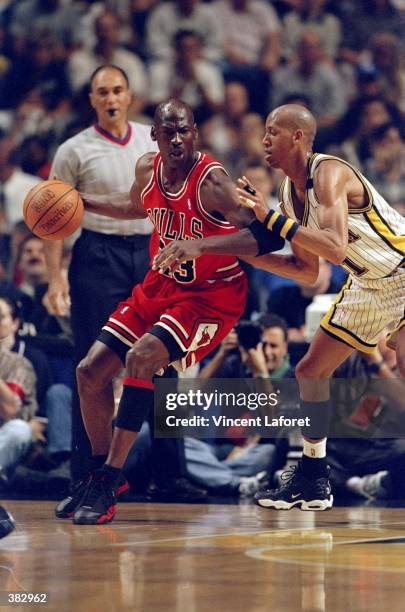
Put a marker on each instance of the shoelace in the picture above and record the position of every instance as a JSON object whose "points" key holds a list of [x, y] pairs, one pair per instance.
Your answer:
{"points": [[97, 486]]}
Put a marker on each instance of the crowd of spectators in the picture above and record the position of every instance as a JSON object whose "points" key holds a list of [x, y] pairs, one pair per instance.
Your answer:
{"points": [[232, 61]]}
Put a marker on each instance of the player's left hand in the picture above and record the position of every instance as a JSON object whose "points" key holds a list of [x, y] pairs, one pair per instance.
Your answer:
{"points": [[250, 197], [176, 253]]}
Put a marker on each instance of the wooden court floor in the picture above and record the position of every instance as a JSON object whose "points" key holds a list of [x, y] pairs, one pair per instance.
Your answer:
{"points": [[192, 558]]}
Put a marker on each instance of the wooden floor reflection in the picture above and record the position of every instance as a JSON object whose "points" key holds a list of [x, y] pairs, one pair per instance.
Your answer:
{"points": [[185, 558]]}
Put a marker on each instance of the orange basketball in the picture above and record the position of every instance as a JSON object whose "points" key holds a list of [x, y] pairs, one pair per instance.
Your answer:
{"points": [[53, 210]]}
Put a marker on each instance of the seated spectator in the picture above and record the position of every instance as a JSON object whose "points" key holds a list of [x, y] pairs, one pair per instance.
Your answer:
{"points": [[371, 466], [38, 79], [386, 166], [169, 17], [291, 300], [315, 75], [188, 76], [387, 57], [221, 133], [34, 282], [17, 407], [14, 184], [54, 400], [83, 62], [312, 14], [364, 115], [269, 357], [251, 32]]}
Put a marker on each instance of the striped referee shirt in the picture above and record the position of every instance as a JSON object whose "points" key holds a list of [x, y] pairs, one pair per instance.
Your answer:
{"points": [[102, 168]]}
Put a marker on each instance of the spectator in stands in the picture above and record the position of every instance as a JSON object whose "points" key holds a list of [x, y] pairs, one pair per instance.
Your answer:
{"points": [[370, 466], [83, 62], [222, 131], [54, 400], [364, 18], [251, 31], [312, 14], [34, 284], [188, 76], [388, 59], [14, 184], [386, 165], [314, 75], [17, 407], [59, 17], [169, 17], [38, 78], [364, 115]]}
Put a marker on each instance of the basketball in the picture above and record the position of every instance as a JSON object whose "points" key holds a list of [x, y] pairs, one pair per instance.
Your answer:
{"points": [[53, 210]]}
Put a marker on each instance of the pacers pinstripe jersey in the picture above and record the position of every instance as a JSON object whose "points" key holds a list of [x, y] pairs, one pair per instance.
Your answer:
{"points": [[376, 242], [102, 168], [182, 216]]}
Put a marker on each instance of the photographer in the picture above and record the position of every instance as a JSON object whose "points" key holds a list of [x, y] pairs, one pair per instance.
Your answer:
{"points": [[253, 350]]}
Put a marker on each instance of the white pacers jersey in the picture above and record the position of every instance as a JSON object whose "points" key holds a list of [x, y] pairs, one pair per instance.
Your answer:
{"points": [[102, 169], [373, 298], [376, 232]]}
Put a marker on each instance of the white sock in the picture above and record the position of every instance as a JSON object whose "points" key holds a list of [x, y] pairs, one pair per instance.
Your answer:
{"points": [[315, 450]]}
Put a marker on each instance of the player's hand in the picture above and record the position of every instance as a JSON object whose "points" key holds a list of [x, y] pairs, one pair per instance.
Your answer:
{"points": [[176, 253], [250, 197], [56, 300]]}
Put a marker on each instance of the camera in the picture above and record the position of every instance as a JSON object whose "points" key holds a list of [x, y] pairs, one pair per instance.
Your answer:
{"points": [[249, 334]]}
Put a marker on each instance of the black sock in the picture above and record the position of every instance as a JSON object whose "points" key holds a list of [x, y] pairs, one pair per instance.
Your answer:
{"points": [[113, 473], [98, 461], [314, 468]]}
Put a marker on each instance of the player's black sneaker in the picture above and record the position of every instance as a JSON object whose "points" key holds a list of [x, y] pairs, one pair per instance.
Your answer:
{"points": [[297, 490], [68, 506], [99, 503], [7, 524]]}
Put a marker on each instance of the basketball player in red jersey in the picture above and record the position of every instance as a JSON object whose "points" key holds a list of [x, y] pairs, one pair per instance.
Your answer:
{"points": [[173, 318]]}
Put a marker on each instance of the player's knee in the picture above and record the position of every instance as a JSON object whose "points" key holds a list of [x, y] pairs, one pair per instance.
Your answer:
{"points": [[145, 358], [87, 375]]}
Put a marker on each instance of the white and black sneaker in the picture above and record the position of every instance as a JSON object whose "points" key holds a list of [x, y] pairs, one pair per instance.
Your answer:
{"points": [[297, 490]]}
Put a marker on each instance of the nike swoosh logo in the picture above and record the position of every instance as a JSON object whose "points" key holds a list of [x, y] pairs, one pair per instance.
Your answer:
{"points": [[296, 495]]}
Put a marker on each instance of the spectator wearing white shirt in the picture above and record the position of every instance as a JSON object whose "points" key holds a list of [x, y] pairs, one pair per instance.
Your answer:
{"points": [[189, 77], [169, 17], [83, 62], [251, 44]]}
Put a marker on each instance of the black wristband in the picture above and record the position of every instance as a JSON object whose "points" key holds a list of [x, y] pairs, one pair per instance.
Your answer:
{"points": [[267, 241], [280, 224]]}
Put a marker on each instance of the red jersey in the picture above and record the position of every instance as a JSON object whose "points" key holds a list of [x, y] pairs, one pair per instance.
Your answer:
{"points": [[181, 216]]}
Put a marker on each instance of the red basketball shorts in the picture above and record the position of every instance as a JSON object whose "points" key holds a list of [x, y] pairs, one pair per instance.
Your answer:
{"points": [[190, 322]]}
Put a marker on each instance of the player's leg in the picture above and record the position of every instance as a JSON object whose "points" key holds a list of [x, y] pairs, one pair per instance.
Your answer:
{"points": [[148, 355], [94, 379], [308, 487]]}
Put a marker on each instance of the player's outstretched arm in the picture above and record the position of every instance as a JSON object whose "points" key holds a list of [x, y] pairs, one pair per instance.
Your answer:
{"points": [[219, 198], [330, 241], [124, 205]]}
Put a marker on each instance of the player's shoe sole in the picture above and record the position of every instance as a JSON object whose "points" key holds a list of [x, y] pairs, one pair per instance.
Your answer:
{"points": [[317, 505]]}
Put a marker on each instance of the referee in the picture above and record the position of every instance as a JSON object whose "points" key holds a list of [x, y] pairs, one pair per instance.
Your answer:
{"points": [[110, 256]]}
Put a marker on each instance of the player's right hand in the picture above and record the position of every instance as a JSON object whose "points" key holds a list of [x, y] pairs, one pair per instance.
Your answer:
{"points": [[251, 198], [56, 300]]}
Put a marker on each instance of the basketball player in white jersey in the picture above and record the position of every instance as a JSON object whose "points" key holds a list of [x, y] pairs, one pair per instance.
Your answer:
{"points": [[329, 210], [110, 256]]}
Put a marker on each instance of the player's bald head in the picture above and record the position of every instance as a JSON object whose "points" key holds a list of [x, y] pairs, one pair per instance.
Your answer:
{"points": [[172, 109], [295, 117]]}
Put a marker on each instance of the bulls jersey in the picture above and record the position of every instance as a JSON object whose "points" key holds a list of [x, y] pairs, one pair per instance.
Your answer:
{"points": [[182, 216], [376, 231]]}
